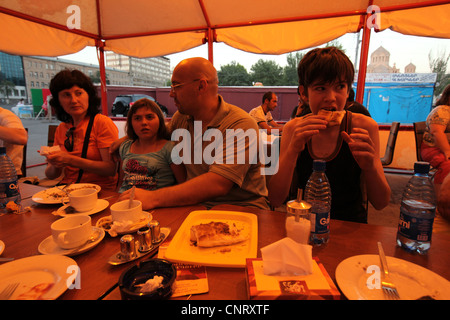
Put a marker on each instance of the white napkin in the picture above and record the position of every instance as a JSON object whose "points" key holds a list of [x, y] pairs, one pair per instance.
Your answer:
{"points": [[287, 257], [118, 227], [45, 150]]}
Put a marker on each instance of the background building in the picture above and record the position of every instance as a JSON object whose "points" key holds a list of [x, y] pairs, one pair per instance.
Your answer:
{"points": [[146, 72], [379, 62], [40, 70], [11, 71]]}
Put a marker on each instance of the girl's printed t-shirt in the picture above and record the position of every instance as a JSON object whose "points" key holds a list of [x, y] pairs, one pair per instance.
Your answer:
{"points": [[148, 171]]}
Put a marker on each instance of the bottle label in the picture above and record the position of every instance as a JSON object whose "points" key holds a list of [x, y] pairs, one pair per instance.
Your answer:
{"points": [[320, 222], [413, 228], [9, 189]]}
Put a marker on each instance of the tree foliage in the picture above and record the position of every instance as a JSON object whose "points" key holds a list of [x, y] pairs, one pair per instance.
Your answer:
{"points": [[234, 74], [439, 65], [6, 87], [267, 72]]}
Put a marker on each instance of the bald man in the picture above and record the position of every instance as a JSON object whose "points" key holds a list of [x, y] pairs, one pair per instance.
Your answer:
{"points": [[201, 109]]}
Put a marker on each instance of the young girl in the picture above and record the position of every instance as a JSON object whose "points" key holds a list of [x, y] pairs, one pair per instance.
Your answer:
{"points": [[146, 158]]}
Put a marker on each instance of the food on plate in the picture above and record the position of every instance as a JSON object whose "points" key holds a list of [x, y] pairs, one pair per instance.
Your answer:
{"points": [[36, 293], [215, 234], [105, 223], [58, 194], [334, 118]]}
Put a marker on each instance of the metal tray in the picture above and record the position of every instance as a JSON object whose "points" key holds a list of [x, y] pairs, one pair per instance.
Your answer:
{"points": [[117, 258]]}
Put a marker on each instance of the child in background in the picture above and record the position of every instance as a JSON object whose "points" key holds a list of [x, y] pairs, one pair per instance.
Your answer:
{"points": [[146, 157], [350, 148]]}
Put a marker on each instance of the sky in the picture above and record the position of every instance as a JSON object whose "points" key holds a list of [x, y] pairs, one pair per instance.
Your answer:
{"points": [[403, 50]]}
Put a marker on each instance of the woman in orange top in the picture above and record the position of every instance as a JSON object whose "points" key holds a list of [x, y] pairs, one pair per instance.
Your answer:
{"points": [[75, 101]]}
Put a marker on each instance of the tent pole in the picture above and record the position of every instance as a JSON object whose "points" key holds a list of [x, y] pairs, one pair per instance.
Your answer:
{"points": [[101, 63], [210, 45], [363, 62]]}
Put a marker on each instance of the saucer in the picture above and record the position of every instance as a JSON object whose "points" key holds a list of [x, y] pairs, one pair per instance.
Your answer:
{"points": [[99, 206], [48, 246], [106, 223]]}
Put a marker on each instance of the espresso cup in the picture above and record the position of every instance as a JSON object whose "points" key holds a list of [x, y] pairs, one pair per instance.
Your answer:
{"points": [[71, 232], [82, 200], [123, 212]]}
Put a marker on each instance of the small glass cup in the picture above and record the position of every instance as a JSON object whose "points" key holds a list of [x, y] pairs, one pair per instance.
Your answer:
{"points": [[298, 224]]}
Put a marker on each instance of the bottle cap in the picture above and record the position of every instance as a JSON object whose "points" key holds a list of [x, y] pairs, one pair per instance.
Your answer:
{"points": [[421, 167], [319, 165]]}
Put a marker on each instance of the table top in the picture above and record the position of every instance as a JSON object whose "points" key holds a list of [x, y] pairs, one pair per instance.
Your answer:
{"points": [[22, 234]]}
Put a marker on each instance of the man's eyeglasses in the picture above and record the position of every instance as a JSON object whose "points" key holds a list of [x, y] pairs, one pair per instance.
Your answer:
{"points": [[177, 85], [68, 143]]}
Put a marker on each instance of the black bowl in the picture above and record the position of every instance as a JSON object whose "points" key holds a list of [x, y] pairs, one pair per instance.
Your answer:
{"points": [[140, 273]]}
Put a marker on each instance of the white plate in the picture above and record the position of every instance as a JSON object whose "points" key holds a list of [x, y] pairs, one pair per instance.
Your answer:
{"points": [[412, 281], [2, 247], [182, 250], [55, 195], [53, 271], [48, 246], [99, 206]]}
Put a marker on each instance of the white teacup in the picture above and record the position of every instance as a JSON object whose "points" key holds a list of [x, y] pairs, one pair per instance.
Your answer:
{"points": [[122, 212], [71, 232], [82, 200]]}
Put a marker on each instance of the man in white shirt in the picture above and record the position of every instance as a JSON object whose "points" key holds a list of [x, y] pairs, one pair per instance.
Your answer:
{"points": [[262, 113], [13, 136]]}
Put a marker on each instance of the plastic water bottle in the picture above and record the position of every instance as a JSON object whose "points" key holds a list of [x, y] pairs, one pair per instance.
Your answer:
{"points": [[417, 211], [318, 194], [9, 189]]}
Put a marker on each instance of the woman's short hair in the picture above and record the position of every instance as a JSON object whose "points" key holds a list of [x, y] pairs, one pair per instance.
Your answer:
{"points": [[66, 79], [162, 133], [326, 65]]}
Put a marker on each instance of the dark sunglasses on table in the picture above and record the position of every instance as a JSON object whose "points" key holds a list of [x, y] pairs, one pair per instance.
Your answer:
{"points": [[68, 143]]}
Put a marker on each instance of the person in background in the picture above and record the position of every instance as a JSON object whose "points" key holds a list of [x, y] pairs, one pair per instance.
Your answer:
{"points": [[262, 113], [146, 157], [355, 106], [435, 147], [13, 137], [76, 102], [300, 108], [351, 148], [195, 91]]}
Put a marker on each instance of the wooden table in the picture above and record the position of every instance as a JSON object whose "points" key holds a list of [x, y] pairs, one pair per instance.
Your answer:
{"points": [[22, 234]]}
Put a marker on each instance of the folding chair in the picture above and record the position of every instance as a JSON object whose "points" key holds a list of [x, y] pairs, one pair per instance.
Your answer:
{"points": [[390, 146]]}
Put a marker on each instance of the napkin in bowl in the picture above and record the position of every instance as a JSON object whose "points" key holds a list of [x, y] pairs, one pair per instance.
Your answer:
{"points": [[287, 257]]}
